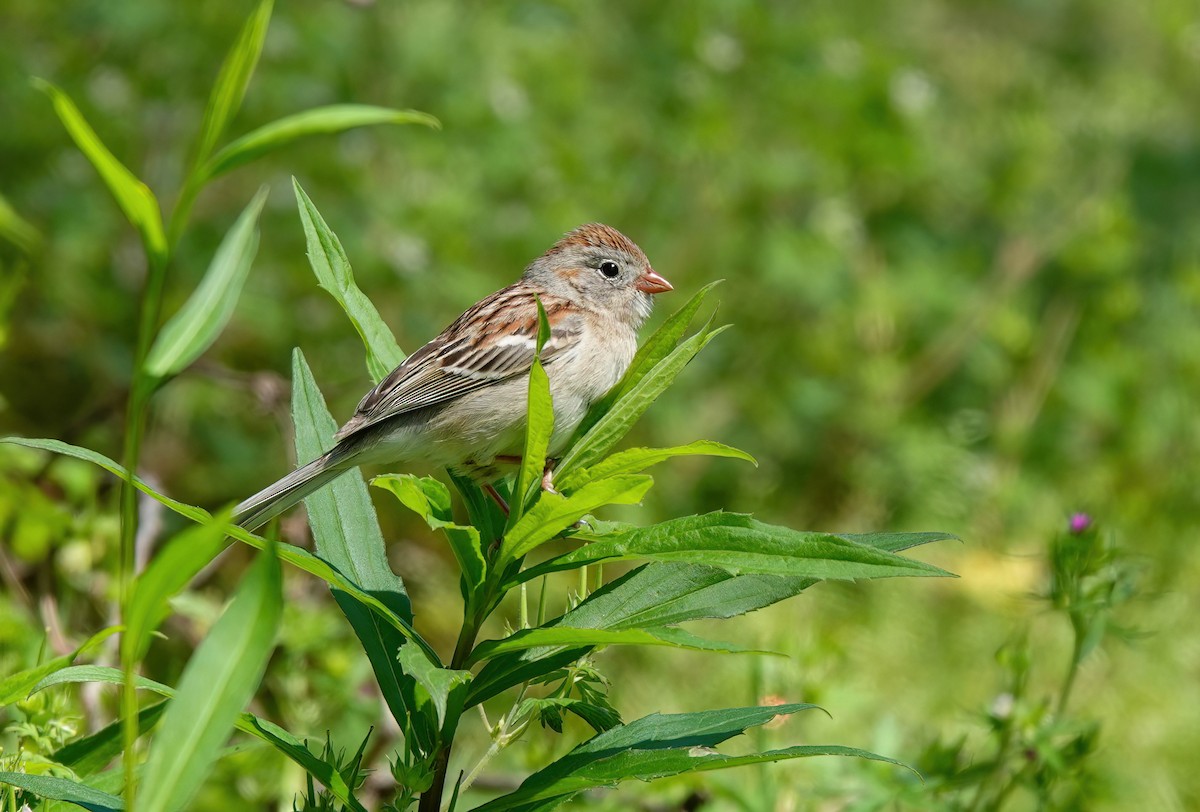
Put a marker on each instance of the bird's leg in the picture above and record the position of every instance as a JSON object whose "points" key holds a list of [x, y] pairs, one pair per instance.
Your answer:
{"points": [[495, 494], [548, 477]]}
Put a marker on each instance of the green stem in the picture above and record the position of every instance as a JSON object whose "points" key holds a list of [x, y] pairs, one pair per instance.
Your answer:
{"points": [[135, 425], [431, 799], [1072, 670]]}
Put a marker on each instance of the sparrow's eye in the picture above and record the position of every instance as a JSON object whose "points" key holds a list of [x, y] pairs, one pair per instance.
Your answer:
{"points": [[610, 269]]}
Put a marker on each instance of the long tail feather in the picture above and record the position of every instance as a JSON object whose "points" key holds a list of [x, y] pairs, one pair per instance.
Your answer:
{"points": [[275, 499]]}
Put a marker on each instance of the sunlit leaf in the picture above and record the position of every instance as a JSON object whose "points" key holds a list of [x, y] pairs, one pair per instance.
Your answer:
{"points": [[739, 544], [334, 118], [554, 513], [218, 682], [16, 229], [332, 267], [135, 199], [539, 427], [444, 688], [16, 687], [206, 312], [636, 460], [565, 636]]}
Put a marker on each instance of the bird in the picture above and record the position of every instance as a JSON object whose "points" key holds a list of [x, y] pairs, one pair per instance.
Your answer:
{"points": [[460, 401]]}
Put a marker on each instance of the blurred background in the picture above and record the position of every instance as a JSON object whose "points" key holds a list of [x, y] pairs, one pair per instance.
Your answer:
{"points": [[960, 251]]}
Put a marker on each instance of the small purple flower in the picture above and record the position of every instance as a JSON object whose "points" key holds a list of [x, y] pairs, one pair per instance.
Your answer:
{"points": [[1080, 522]]}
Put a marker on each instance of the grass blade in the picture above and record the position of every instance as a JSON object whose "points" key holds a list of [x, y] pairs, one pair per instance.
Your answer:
{"points": [[206, 312], [134, 198], [219, 680], [332, 267], [334, 118]]}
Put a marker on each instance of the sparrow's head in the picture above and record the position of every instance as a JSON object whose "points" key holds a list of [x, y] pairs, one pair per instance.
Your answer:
{"points": [[599, 268]]}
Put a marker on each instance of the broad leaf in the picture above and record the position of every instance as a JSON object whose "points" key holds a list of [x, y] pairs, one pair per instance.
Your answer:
{"points": [[553, 513], [655, 746], [170, 571], [332, 267], [16, 687], [630, 406], [135, 199], [335, 118], [218, 682], [196, 326], [740, 544], [265, 731], [429, 499], [563, 636], [346, 531], [301, 559], [63, 789], [636, 460], [230, 87]]}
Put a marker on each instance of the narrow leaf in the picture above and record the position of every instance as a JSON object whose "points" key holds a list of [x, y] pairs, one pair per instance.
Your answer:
{"points": [[265, 731], [657, 347], [566, 636], [219, 680], [630, 406], [63, 789], [301, 559], [346, 531], [91, 754], [17, 230], [134, 198], [16, 687], [445, 688], [429, 499], [539, 426], [334, 118], [739, 544], [636, 460], [232, 81], [332, 267], [655, 746], [196, 326], [553, 513], [167, 575]]}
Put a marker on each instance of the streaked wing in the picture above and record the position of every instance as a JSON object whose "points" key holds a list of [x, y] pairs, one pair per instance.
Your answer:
{"points": [[491, 342]]}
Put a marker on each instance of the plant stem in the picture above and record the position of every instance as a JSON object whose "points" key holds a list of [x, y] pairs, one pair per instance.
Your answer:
{"points": [[135, 425], [431, 799], [1069, 680]]}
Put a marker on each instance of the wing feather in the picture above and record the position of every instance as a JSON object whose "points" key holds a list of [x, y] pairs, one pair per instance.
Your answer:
{"points": [[491, 342]]}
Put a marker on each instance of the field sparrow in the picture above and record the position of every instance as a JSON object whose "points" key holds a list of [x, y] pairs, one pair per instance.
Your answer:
{"points": [[460, 401]]}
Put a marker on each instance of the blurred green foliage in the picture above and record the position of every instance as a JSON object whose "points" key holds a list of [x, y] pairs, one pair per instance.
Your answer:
{"points": [[962, 263]]}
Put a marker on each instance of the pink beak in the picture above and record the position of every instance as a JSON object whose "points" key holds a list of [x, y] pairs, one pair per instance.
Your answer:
{"points": [[651, 282]]}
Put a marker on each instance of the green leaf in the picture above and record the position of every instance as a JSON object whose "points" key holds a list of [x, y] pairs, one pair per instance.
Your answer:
{"points": [[346, 531], [91, 754], [265, 731], [619, 419], [332, 267], [539, 426], [63, 789], [554, 513], [429, 499], [134, 198], [301, 559], [657, 347], [219, 680], [656, 746], [482, 510], [196, 326], [16, 687], [565, 636], [169, 572], [739, 544], [599, 717], [636, 460], [334, 118], [232, 81], [445, 688]]}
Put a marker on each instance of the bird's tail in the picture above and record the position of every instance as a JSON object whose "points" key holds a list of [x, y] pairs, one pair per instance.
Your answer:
{"points": [[275, 499]]}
